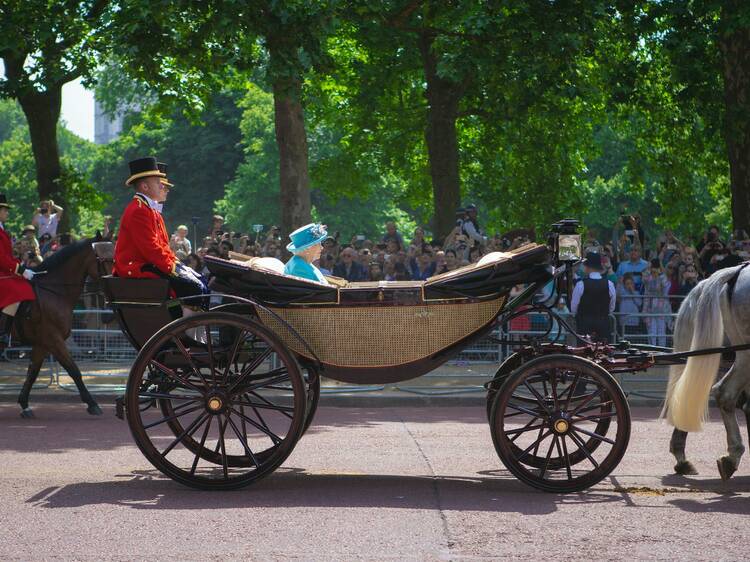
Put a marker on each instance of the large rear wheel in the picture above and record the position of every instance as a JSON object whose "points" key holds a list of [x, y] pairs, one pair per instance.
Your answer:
{"points": [[216, 401]]}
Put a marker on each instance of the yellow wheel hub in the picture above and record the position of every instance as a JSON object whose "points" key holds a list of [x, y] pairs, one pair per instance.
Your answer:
{"points": [[561, 426], [215, 404]]}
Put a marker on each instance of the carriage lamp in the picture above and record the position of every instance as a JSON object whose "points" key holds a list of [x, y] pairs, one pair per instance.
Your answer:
{"points": [[566, 240]]}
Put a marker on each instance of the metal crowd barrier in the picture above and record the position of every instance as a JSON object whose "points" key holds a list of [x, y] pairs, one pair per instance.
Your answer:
{"points": [[104, 356]]}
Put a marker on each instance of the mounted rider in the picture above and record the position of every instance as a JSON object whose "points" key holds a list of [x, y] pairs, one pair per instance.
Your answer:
{"points": [[142, 250], [14, 276]]}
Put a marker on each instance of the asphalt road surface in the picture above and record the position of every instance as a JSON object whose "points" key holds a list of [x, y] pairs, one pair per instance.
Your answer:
{"points": [[363, 484]]}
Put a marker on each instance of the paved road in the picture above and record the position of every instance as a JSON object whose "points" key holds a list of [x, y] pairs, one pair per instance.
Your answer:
{"points": [[363, 484]]}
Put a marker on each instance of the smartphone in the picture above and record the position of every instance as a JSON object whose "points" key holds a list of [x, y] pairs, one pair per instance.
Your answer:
{"points": [[360, 237], [630, 233]]}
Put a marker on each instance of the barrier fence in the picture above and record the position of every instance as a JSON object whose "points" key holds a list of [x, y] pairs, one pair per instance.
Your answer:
{"points": [[104, 356]]}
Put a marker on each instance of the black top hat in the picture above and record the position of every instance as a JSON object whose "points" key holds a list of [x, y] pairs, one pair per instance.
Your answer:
{"points": [[143, 168], [163, 169], [593, 261], [4, 201]]}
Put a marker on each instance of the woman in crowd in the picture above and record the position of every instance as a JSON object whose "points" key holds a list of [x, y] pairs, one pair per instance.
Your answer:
{"points": [[656, 303]]}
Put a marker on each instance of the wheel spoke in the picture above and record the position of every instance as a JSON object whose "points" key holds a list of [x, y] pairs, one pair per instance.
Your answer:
{"points": [[596, 417], [176, 376], [553, 383], [588, 399], [233, 355], [566, 457], [534, 444], [268, 383], [222, 429], [269, 403], [200, 447], [569, 391], [538, 396], [167, 396], [267, 406], [186, 355], [254, 364], [243, 441], [275, 438], [593, 435], [536, 414], [593, 407], [210, 350], [549, 454], [518, 432], [582, 447], [173, 416], [189, 430]]}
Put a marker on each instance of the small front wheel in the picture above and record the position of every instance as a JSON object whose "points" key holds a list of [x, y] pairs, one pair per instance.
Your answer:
{"points": [[560, 423], [216, 401]]}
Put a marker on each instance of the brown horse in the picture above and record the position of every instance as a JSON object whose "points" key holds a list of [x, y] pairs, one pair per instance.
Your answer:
{"points": [[47, 322]]}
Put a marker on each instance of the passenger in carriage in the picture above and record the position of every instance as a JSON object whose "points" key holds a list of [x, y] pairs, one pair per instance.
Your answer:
{"points": [[142, 249], [306, 247]]}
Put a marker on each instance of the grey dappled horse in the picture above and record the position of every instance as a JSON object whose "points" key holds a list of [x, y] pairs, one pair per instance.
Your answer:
{"points": [[715, 313]]}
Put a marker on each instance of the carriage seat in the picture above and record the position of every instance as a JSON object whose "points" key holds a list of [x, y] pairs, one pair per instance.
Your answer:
{"points": [[125, 291]]}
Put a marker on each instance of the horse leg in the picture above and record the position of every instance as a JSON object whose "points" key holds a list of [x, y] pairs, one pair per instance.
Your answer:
{"points": [[726, 392], [746, 409], [37, 358], [61, 353], [677, 448]]}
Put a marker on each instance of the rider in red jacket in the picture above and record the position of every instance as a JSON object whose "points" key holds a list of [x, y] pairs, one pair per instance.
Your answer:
{"points": [[14, 277], [142, 249]]}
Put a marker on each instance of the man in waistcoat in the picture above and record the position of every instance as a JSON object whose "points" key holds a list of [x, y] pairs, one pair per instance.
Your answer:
{"points": [[593, 300]]}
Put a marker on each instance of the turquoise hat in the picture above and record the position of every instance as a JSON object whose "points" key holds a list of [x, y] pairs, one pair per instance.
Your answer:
{"points": [[307, 236]]}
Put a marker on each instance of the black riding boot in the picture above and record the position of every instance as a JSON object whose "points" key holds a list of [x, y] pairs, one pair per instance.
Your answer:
{"points": [[6, 324]]}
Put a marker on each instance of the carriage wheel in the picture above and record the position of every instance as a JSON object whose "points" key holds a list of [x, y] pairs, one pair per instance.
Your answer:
{"points": [[312, 383], [231, 401], [511, 363], [547, 423]]}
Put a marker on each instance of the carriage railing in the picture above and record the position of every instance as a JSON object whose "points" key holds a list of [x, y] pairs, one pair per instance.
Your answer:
{"points": [[104, 356]]}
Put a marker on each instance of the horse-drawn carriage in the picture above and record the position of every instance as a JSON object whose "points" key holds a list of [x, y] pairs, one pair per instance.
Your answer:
{"points": [[218, 399]]}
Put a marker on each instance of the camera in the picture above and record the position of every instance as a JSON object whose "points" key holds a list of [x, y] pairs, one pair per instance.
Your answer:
{"points": [[44, 211]]}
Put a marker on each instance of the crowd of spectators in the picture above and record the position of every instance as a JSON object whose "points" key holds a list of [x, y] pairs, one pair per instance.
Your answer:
{"points": [[651, 276]]}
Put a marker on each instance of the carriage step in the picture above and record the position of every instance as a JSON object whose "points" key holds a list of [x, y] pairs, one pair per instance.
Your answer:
{"points": [[120, 407]]}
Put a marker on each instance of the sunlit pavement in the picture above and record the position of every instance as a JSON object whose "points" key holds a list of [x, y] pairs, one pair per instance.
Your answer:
{"points": [[364, 483]]}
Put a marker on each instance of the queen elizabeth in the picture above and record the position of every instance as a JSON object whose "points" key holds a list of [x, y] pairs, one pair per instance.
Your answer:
{"points": [[306, 247]]}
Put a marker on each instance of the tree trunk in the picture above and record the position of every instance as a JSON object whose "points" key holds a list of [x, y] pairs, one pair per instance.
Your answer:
{"points": [[443, 97], [735, 47], [289, 120], [42, 110]]}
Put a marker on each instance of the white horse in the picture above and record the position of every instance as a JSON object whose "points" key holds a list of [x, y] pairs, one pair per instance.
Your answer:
{"points": [[715, 312]]}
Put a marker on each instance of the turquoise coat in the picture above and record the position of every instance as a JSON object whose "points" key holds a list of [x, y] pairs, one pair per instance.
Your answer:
{"points": [[300, 268]]}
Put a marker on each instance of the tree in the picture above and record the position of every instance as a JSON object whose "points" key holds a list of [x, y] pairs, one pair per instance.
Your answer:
{"points": [[208, 43], [45, 45], [688, 74]]}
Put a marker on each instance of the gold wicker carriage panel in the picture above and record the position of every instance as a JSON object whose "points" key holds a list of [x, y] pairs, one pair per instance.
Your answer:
{"points": [[380, 336]]}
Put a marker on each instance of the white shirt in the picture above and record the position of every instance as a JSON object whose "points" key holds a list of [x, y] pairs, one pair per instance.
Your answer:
{"points": [[47, 224], [575, 300], [155, 205], [471, 231]]}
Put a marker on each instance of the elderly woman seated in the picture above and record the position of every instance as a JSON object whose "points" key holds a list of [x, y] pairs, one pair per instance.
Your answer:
{"points": [[306, 247]]}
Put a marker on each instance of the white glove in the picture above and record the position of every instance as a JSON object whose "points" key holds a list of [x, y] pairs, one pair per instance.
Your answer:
{"points": [[28, 274]]}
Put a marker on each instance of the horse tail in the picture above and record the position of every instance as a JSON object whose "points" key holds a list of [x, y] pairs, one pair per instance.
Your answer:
{"points": [[682, 336], [686, 405]]}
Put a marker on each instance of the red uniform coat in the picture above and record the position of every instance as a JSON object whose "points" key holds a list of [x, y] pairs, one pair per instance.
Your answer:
{"points": [[142, 240], [13, 287]]}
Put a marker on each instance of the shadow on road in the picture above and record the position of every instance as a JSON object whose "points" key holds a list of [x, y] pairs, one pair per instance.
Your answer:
{"points": [[293, 487]]}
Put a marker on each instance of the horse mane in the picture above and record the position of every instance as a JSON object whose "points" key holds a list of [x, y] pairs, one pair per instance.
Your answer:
{"points": [[61, 256]]}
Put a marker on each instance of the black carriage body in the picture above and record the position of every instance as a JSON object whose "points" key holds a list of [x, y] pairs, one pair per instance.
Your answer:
{"points": [[383, 332]]}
